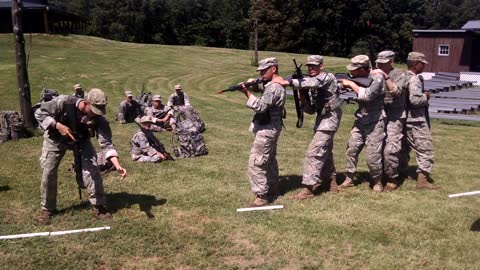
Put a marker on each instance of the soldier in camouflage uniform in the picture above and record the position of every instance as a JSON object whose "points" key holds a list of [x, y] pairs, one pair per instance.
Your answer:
{"points": [[129, 109], [52, 117], [179, 98], [161, 114], [418, 132], [266, 125], [79, 93], [395, 103], [145, 146], [326, 102], [369, 126]]}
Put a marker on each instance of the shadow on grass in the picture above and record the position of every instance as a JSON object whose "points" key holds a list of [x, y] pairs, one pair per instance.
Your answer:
{"points": [[118, 201], [475, 226], [4, 188], [289, 182]]}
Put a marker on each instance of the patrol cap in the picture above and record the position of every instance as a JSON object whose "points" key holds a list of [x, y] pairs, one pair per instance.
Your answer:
{"points": [[416, 56], [385, 56], [266, 63], [98, 101], [77, 86], [178, 87], [359, 61], [314, 60], [146, 119], [157, 98], [128, 93]]}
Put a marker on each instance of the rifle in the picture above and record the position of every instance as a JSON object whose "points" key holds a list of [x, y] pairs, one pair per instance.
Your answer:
{"points": [[71, 112], [361, 81], [297, 74], [239, 86], [427, 114], [155, 142]]}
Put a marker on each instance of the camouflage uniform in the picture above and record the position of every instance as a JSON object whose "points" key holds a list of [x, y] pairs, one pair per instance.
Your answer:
{"points": [[128, 111], [395, 103], [55, 146], [318, 163], [79, 93], [369, 128], [158, 114], [178, 99], [418, 133], [142, 148], [262, 165]]}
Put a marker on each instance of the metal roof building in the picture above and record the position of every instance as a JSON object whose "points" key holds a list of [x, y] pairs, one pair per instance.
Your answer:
{"points": [[450, 50]]}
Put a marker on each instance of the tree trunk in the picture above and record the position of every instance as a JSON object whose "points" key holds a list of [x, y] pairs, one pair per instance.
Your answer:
{"points": [[22, 74]]}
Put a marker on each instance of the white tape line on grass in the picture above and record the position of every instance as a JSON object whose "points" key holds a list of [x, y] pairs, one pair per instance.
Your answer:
{"points": [[27, 235], [270, 207], [464, 194]]}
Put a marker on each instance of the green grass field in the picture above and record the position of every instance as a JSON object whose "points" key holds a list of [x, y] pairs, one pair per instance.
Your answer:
{"points": [[191, 203]]}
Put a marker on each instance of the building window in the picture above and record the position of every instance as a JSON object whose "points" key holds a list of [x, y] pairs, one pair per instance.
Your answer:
{"points": [[443, 50]]}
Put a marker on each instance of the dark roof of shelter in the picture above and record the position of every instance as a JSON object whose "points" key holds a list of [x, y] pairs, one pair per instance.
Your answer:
{"points": [[27, 4], [438, 31], [472, 25]]}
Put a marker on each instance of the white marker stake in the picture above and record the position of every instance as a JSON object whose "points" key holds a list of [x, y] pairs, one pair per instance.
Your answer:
{"points": [[270, 207], [26, 235], [464, 194]]}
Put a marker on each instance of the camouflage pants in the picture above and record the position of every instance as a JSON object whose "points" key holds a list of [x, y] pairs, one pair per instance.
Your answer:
{"points": [[318, 163], [262, 164], [393, 147], [52, 154], [371, 136], [146, 158], [420, 140]]}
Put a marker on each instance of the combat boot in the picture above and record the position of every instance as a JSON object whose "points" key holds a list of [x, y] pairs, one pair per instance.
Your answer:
{"points": [[260, 200], [306, 193], [377, 184], [46, 215], [423, 184], [391, 185], [333, 184], [348, 183], [100, 212], [274, 191]]}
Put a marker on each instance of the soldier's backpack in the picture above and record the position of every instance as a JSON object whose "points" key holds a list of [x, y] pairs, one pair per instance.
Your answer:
{"points": [[144, 99], [48, 94], [11, 126], [187, 137]]}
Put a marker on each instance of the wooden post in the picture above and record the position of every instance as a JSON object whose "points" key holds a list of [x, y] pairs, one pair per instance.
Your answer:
{"points": [[45, 20], [20, 57], [255, 30]]}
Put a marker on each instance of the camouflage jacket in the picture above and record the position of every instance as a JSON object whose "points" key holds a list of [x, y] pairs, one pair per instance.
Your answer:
{"points": [[173, 100], [396, 100], [141, 145], [371, 101], [326, 101], [269, 105], [128, 111], [158, 113], [53, 111], [417, 101]]}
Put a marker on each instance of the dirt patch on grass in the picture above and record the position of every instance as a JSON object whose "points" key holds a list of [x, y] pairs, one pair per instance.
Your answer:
{"points": [[191, 222], [244, 262]]}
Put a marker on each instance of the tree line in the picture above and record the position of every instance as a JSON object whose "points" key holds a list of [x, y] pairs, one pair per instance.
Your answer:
{"points": [[327, 27]]}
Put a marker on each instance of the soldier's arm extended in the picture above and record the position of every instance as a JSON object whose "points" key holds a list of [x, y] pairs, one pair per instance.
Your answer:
{"points": [[186, 99], [416, 97], [104, 138], [374, 90]]}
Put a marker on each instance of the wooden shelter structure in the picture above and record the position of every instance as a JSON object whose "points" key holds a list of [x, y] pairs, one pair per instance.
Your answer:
{"points": [[450, 50], [40, 17]]}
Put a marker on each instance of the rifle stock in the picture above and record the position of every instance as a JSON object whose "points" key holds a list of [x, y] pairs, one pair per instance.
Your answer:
{"points": [[239, 86], [360, 81]]}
